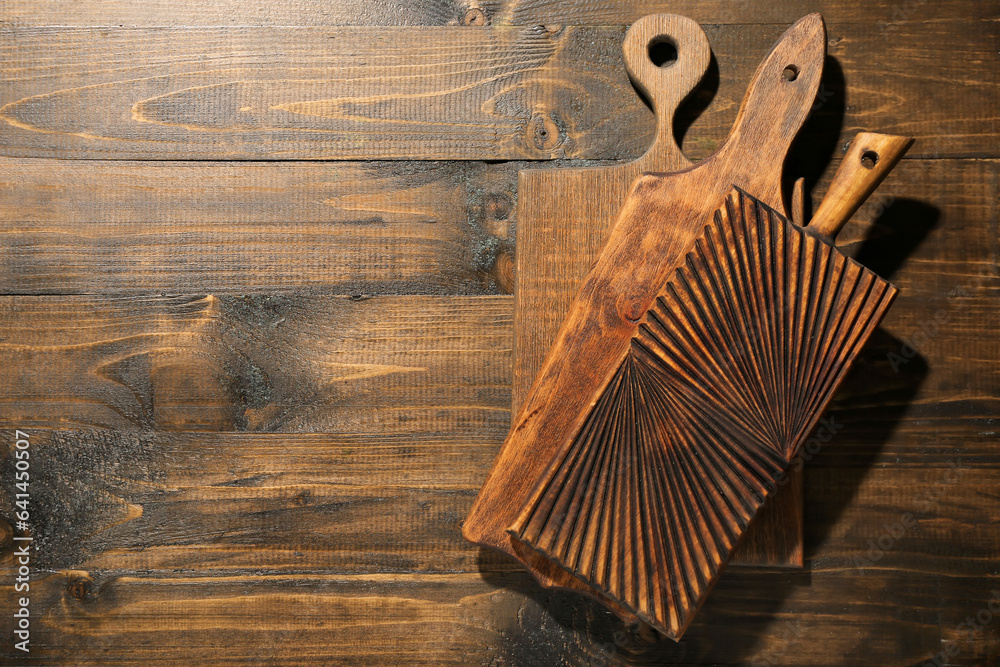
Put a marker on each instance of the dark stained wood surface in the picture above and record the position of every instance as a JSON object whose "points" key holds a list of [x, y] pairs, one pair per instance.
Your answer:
{"points": [[122, 13], [347, 227], [315, 518], [399, 93]]}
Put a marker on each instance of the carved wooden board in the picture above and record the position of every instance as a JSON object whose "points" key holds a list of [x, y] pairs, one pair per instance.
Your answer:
{"points": [[725, 376], [722, 381], [520, 464], [564, 217], [588, 366]]}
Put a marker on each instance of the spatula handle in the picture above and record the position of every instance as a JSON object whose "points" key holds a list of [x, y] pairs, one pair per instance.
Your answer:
{"points": [[666, 55], [869, 159]]}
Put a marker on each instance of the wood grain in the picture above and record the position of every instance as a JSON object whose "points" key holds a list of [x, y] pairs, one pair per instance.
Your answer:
{"points": [[918, 68], [191, 13], [258, 363], [188, 227], [377, 93], [868, 160], [150, 501], [78, 334], [117, 588], [442, 619], [115, 13], [816, 617], [885, 14], [312, 93]]}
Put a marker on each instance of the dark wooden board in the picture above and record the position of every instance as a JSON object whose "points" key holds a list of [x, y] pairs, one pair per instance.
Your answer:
{"points": [[116, 13], [903, 431], [259, 363], [221, 587], [394, 92], [902, 611], [178, 227]]}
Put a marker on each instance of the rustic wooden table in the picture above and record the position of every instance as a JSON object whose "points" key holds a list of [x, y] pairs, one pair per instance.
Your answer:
{"points": [[256, 322]]}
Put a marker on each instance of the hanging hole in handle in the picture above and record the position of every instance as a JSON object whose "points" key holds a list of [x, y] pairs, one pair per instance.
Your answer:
{"points": [[662, 51], [790, 73], [869, 159]]}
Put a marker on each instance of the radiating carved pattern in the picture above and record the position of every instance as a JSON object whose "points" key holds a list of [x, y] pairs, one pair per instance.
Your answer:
{"points": [[724, 379]]}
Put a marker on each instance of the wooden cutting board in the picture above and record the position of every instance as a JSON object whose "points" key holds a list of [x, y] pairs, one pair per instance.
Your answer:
{"points": [[700, 402], [564, 217], [695, 359], [753, 156]]}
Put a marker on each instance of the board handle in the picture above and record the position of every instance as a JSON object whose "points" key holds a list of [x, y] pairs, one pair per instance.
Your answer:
{"points": [[869, 159], [666, 55]]}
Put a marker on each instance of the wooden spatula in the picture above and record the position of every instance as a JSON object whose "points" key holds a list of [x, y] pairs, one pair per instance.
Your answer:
{"points": [[564, 217], [598, 328]]}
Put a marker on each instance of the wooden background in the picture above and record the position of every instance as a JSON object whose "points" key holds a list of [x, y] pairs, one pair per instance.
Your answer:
{"points": [[262, 391]]}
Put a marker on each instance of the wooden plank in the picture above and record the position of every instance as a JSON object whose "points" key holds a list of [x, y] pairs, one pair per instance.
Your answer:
{"points": [[823, 617], [290, 619], [411, 499], [195, 13], [210, 503], [389, 487], [884, 13], [417, 365], [288, 93], [854, 598], [357, 93], [379, 478], [188, 227]]}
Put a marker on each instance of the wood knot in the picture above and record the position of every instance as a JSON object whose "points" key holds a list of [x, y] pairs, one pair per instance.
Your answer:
{"points": [[503, 272], [546, 30], [498, 206], [632, 308], [543, 133], [80, 588], [475, 16]]}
